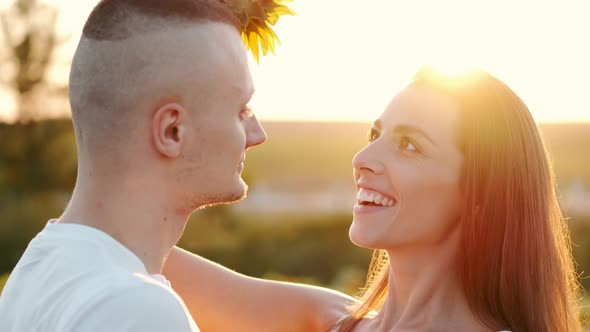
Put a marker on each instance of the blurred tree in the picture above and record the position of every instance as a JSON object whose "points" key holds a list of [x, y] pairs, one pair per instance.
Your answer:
{"points": [[37, 158], [37, 173], [29, 30]]}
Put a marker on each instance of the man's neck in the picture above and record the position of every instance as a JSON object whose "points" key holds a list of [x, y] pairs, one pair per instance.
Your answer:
{"points": [[136, 214]]}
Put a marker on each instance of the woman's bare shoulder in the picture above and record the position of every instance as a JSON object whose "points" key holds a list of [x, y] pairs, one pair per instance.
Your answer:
{"points": [[366, 324]]}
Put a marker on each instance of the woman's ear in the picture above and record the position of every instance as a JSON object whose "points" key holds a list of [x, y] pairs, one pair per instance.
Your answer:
{"points": [[168, 129]]}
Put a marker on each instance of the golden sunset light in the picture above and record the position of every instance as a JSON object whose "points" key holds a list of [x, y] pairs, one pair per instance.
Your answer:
{"points": [[321, 165], [343, 60]]}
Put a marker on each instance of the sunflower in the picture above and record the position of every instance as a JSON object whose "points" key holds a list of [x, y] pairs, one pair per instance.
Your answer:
{"points": [[256, 19]]}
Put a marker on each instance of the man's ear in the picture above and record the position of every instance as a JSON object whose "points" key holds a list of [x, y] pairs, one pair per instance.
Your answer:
{"points": [[168, 129]]}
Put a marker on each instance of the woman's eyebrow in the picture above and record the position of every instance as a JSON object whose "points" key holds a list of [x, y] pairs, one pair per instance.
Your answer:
{"points": [[406, 128], [376, 125]]}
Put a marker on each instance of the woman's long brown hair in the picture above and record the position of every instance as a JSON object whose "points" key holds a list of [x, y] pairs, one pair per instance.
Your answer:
{"points": [[515, 259]]}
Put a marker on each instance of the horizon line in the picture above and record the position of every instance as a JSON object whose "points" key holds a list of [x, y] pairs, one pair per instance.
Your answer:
{"points": [[311, 120]]}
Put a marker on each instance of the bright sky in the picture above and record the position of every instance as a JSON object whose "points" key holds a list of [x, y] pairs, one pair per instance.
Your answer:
{"points": [[344, 59]]}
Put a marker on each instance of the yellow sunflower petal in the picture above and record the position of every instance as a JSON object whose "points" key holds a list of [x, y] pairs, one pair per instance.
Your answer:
{"points": [[253, 45], [266, 41], [257, 18]]}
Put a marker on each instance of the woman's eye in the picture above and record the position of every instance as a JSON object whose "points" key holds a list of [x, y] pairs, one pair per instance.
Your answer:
{"points": [[373, 135], [405, 144]]}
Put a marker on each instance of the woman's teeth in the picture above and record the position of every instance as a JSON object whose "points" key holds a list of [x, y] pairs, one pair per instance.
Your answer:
{"points": [[366, 197]]}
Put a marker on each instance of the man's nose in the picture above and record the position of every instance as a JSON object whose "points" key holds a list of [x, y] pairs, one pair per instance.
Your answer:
{"points": [[255, 134]]}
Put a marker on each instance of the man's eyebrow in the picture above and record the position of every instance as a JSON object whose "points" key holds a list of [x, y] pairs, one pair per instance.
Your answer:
{"points": [[405, 128], [248, 96]]}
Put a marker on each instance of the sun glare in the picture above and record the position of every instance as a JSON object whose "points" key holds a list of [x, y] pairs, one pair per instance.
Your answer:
{"points": [[452, 69], [337, 72]]}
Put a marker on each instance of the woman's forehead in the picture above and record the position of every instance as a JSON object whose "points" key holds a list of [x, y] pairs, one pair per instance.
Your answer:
{"points": [[424, 108]]}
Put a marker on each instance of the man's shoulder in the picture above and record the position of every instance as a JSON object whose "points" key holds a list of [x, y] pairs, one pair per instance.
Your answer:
{"points": [[140, 288], [117, 285], [139, 303]]}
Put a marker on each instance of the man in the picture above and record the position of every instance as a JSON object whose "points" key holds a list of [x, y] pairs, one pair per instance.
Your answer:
{"points": [[159, 93]]}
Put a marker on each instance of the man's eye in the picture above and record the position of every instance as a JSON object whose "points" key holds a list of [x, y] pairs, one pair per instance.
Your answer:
{"points": [[372, 135], [246, 112]]}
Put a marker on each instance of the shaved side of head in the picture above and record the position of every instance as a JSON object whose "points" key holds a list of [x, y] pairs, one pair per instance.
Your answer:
{"points": [[132, 55]]}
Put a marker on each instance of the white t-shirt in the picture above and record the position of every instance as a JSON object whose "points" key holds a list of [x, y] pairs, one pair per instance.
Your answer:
{"points": [[77, 278]]}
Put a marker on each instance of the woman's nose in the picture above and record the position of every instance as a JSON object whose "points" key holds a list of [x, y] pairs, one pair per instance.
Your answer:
{"points": [[367, 160]]}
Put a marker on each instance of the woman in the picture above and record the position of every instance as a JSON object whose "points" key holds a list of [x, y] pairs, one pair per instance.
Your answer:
{"points": [[456, 193], [471, 236]]}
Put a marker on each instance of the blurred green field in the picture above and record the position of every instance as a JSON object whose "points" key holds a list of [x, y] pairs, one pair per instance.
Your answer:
{"points": [[305, 155], [302, 248]]}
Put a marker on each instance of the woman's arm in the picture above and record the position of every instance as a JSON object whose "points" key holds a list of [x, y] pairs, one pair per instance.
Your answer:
{"points": [[222, 300]]}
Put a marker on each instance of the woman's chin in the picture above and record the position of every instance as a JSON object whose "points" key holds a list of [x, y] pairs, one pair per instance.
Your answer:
{"points": [[361, 237]]}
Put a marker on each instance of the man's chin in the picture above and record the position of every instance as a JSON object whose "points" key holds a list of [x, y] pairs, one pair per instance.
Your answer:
{"points": [[228, 199], [225, 198]]}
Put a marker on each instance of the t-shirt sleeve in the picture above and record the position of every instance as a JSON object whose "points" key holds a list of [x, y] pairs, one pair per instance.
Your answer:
{"points": [[144, 307]]}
